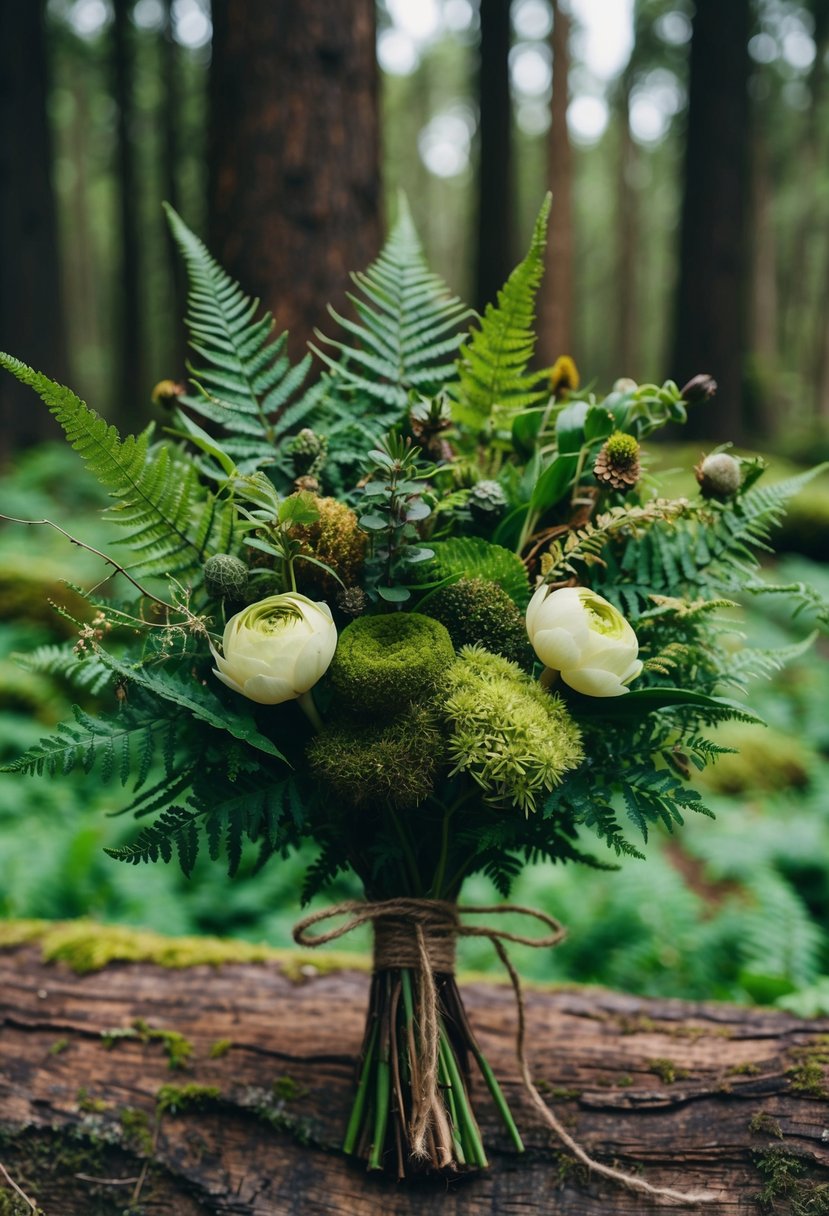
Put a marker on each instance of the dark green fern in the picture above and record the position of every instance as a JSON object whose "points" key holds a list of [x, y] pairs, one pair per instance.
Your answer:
{"points": [[248, 385], [406, 333], [492, 368]]}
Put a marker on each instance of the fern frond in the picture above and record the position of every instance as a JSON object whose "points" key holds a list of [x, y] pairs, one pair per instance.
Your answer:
{"points": [[492, 367], [406, 332], [160, 498], [119, 745], [174, 829], [248, 385], [62, 662]]}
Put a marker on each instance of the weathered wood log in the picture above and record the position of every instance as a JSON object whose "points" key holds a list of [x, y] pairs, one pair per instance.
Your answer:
{"points": [[139, 1089]]}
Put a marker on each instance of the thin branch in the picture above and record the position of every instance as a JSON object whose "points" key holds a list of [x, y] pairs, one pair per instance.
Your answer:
{"points": [[15, 1187], [119, 569]]}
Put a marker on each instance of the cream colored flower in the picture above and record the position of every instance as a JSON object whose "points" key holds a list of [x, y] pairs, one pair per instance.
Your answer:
{"points": [[276, 649], [578, 633]]}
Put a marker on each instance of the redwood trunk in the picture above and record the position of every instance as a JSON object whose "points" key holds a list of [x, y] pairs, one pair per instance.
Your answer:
{"points": [[294, 189], [692, 1095], [710, 320]]}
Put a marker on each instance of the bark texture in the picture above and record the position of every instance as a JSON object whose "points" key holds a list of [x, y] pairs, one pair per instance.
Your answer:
{"points": [[556, 296], [493, 259], [294, 190], [693, 1095]]}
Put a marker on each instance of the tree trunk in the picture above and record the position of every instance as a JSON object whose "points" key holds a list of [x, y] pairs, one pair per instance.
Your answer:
{"points": [[695, 1096], [710, 318], [30, 304], [556, 329], [493, 259], [132, 391], [627, 239], [294, 187], [764, 313]]}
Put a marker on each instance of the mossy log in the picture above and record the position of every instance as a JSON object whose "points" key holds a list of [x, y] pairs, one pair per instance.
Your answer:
{"points": [[225, 1088]]}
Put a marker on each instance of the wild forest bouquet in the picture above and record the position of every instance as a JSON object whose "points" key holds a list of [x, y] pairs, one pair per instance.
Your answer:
{"points": [[421, 603]]}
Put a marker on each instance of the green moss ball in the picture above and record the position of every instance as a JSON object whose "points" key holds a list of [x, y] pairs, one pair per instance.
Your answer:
{"points": [[372, 765], [384, 662], [476, 611]]}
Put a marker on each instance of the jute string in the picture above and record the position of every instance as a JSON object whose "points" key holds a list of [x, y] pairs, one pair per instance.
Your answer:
{"points": [[420, 934]]}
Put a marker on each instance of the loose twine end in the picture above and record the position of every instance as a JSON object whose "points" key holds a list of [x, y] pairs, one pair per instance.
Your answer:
{"points": [[420, 934]]}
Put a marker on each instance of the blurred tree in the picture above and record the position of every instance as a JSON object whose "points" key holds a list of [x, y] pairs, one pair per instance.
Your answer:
{"points": [[556, 301], [294, 177], [129, 387], [493, 259], [710, 317], [30, 305]]}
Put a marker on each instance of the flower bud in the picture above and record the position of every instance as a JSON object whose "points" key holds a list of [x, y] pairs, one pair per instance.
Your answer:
{"points": [[276, 649], [578, 633], [719, 476], [487, 501], [225, 577], [699, 388]]}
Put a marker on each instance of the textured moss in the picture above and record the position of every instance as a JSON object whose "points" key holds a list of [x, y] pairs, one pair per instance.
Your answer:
{"points": [[334, 538], [383, 662], [179, 1099], [379, 765], [478, 611]]}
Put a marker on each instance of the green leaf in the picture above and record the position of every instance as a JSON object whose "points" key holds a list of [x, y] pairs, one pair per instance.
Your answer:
{"points": [[553, 483], [570, 425], [299, 509], [473, 557], [641, 701], [394, 595]]}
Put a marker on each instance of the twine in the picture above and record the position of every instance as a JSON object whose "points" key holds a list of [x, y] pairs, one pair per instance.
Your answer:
{"points": [[420, 934]]}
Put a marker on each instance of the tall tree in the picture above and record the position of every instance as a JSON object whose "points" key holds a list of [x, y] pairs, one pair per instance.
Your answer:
{"points": [[493, 260], [556, 303], [710, 316], [294, 187], [129, 387], [30, 313]]}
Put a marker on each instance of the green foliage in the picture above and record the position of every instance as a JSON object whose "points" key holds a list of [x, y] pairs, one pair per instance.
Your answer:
{"points": [[173, 522], [474, 557], [407, 327], [391, 510], [492, 367], [384, 662], [247, 384]]}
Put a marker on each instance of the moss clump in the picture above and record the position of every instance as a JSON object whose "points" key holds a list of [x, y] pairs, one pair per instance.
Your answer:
{"points": [[334, 538], [177, 1048], [178, 1099], [763, 1124], [383, 662], [379, 765], [477, 611], [515, 740], [667, 1071], [135, 1129], [220, 1048], [808, 1075], [785, 1182]]}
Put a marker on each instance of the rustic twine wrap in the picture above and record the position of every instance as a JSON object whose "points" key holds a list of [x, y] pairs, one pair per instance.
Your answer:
{"points": [[420, 935]]}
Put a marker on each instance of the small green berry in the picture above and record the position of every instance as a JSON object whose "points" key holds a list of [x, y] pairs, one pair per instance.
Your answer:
{"points": [[225, 577]]}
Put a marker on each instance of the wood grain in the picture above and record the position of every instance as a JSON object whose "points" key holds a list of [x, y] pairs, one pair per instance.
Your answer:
{"points": [[689, 1094]]}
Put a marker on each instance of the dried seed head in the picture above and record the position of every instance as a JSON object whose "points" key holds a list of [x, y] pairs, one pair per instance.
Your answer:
{"points": [[719, 476]]}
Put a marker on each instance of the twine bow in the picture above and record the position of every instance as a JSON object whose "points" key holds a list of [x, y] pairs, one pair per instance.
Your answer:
{"points": [[420, 934]]}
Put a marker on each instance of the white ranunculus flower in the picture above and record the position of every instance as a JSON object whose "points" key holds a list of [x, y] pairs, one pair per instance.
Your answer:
{"points": [[276, 649], [578, 633]]}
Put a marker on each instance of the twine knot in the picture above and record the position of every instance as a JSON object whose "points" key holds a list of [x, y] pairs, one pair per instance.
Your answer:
{"points": [[420, 935]]}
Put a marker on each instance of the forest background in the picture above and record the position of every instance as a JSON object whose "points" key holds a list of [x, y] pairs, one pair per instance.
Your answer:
{"points": [[687, 148]]}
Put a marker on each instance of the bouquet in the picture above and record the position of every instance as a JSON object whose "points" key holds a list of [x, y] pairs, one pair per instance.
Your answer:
{"points": [[420, 602]]}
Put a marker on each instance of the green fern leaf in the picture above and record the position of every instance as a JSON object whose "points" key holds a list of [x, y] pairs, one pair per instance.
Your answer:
{"points": [[473, 557], [160, 499], [492, 368], [406, 333], [63, 662], [248, 385], [174, 829]]}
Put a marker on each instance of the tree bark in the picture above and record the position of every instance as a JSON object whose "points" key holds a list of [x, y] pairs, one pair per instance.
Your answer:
{"points": [[692, 1095], [30, 296], [493, 259], [294, 189], [627, 237], [710, 317], [556, 329]]}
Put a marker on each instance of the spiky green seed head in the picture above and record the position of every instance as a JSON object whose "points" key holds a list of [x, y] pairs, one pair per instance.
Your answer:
{"points": [[477, 611], [308, 451], [719, 476], [225, 577], [384, 662], [622, 448]]}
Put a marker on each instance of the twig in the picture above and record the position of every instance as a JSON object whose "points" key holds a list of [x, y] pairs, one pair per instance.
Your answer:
{"points": [[15, 1187], [106, 1181]]}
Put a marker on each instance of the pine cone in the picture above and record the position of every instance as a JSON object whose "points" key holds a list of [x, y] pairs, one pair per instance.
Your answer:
{"points": [[352, 601], [617, 464]]}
